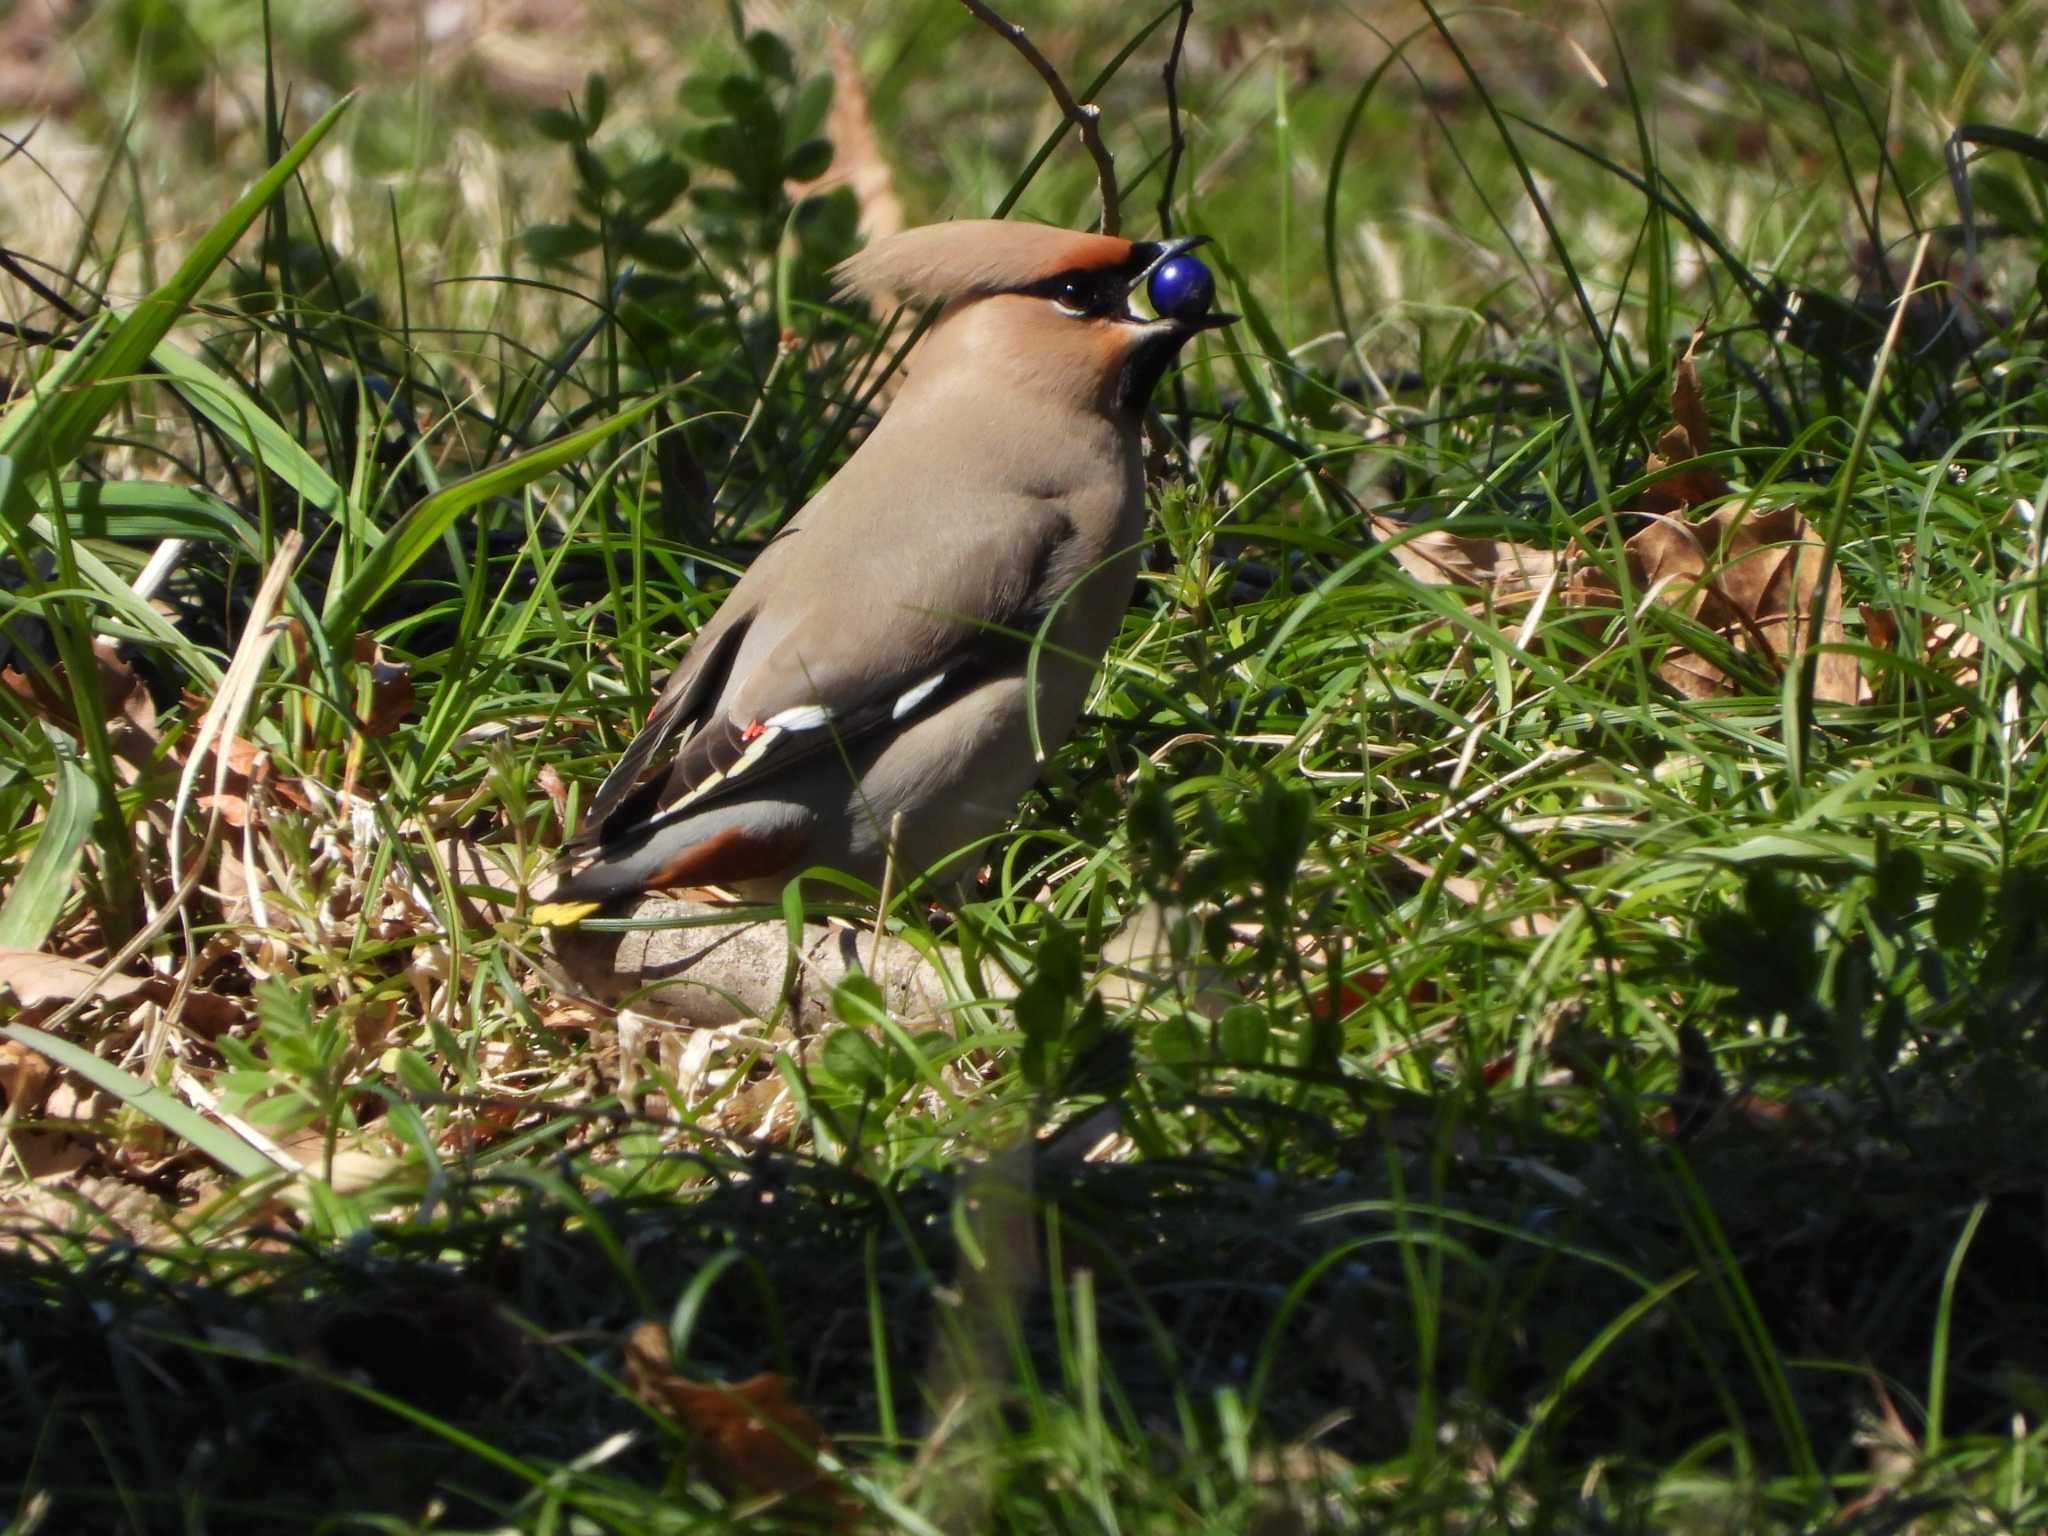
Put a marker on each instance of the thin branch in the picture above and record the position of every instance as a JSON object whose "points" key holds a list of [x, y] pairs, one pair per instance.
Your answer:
{"points": [[1087, 119], [11, 262], [1176, 141]]}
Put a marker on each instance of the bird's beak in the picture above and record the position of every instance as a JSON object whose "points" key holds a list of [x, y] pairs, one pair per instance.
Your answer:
{"points": [[1153, 254]]}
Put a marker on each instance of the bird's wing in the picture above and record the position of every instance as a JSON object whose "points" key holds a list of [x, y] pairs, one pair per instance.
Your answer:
{"points": [[697, 679], [852, 661]]}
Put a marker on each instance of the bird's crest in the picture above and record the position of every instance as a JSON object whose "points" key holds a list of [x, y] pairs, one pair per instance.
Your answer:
{"points": [[969, 257]]}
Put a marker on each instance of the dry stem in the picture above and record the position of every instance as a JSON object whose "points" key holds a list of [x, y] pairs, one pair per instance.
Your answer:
{"points": [[1176, 140], [1086, 118]]}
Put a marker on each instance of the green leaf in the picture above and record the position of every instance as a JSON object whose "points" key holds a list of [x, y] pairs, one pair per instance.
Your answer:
{"points": [[808, 161], [1041, 1007], [1244, 1033], [67, 372], [1959, 911], [807, 111], [2001, 196], [858, 1000], [559, 242], [39, 892], [771, 56], [720, 145], [656, 249], [173, 1114], [1175, 1042], [146, 511], [250, 427], [421, 528], [698, 95], [653, 185], [112, 590], [58, 426], [1059, 962], [591, 171], [561, 126], [416, 1072], [852, 1056], [1898, 879]]}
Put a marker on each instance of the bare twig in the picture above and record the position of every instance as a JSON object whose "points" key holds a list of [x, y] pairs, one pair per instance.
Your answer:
{"points": [[1176, 141], [1086, 118], [1176, 146]]}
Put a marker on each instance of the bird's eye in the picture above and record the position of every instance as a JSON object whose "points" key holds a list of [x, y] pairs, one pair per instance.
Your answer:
{"points": [[1072, 297], [1181, 288]]}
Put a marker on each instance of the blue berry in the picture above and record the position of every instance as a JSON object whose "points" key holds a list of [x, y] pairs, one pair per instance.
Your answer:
{"points": [[1181, 288]]}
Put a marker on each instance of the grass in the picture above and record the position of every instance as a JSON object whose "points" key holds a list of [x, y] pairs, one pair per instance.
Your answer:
{"points": [[1629, 1112]]}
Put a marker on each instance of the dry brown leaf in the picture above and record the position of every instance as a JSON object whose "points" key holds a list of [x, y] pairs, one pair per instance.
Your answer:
{"points": [[235, 906], [250, 768], [550, 781], [38, 1102], [1439, 558], [233, 809], [1688, 436], [209, 1015], [1749, 576], [753, 1436], [1688, 411], [24, 1078], [1879, 627], [1523, 925], [39, 982], [125, 701], [390, 699]]}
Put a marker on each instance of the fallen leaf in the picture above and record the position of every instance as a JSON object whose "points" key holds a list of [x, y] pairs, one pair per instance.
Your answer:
{"points": [[1880, 627], [125, 701], [40, 982], [551, 784], [1688, 411], [753, 1437], [24, 1078], [389, 698], [45, 1149], [1688, 437], [1748, 575], [1437, 557], [233, 809]]}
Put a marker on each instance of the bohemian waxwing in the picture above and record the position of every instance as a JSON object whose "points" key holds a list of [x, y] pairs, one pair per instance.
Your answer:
{"points": [[916, 640]]}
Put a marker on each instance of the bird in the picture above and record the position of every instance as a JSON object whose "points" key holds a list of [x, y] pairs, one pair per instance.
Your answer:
{"points": [[887, 677]]}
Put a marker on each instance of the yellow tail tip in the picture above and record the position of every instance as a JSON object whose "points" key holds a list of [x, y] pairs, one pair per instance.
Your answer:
{"points": [[562, 914]]}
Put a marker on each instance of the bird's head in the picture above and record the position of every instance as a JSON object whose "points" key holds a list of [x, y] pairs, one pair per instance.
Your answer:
{"points": [[1095, 319]]}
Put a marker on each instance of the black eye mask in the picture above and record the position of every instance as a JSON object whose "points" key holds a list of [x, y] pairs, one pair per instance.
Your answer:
{"points": [[1086, 291]]}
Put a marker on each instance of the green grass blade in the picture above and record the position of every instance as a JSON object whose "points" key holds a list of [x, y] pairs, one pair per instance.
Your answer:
{"points": [[65, 373], [1944, 1318], [56, 428], [145, 511], [38, 894], [251, 428], [422, 527], [173, 1114]]}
